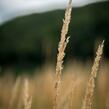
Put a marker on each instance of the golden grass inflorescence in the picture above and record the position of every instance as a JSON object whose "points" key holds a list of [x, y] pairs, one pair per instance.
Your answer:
{"points": [[61, 52], [87, 103]]}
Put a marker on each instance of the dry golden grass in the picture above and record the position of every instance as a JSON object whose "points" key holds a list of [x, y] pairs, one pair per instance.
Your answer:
{"points": [[14, 92], [27, 98], [61, 53], [42, 91], [87, 103]]}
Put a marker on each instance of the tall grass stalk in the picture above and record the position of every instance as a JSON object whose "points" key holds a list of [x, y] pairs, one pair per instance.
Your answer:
{"points": [[61, 51], [27, 99], [87, 103], [14, 92]]}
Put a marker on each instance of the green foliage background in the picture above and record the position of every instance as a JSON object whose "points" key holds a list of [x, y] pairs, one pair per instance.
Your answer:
{"points": [[34, 38]]}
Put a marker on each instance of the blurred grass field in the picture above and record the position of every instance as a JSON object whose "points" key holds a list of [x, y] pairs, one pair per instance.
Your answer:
{"points": [[41, 87]]}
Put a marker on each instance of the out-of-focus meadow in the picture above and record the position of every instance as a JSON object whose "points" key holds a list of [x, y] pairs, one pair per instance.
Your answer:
{"points": [[41, 88], [28, 49]]}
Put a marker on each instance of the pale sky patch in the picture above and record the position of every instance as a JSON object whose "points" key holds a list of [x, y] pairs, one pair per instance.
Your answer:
{"points": [[10, 9]]}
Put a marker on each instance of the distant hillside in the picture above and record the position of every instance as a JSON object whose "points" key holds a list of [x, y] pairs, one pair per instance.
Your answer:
{"points": [[35, 37]]}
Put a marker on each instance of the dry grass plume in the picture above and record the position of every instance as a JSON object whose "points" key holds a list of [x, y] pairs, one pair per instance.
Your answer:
{"points": [[61, 52], [87, 103]]}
